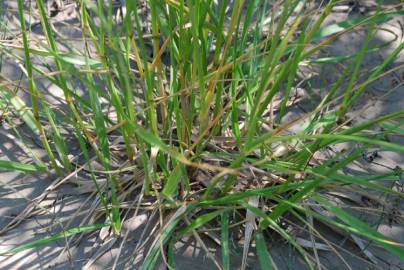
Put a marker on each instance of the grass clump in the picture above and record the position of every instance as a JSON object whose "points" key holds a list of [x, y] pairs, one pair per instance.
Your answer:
{"points": [[185, 105]]}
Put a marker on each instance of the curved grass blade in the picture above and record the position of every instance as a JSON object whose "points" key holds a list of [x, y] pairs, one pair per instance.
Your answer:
{"points": [[6, 165], [268, 221], [172, 183], [358, 227], [358, 21], [21, 109], [200, 221], [59, 236], [161, 239]]}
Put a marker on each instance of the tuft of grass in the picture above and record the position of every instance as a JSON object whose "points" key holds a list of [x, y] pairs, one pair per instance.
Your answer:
{"points": [[191, 92]]}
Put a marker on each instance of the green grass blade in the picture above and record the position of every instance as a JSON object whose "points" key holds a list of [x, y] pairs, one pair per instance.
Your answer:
{"points": [[6, 165], [262, 252], [171, 187], [165, 234], [361, 228], [200, 221], [47, 240], [34, 93], [22, 110], [224, 237], [378, 18]]}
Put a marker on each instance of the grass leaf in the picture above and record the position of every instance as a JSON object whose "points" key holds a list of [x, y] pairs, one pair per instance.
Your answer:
{"points": [[6, 165], [262, 252], [47, 240]]}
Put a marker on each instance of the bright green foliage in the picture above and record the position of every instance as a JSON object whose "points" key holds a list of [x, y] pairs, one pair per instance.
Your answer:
{"points": [[201, 79]]}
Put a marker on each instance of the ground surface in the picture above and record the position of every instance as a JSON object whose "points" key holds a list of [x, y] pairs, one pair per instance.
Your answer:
{"points": [[52, 214]]}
